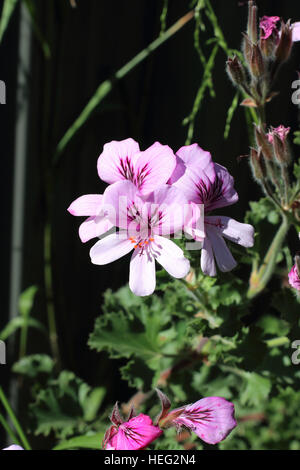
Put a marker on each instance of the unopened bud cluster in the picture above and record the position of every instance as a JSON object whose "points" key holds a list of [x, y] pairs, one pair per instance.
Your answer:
{"points": [[270, 159], [264, 51]]}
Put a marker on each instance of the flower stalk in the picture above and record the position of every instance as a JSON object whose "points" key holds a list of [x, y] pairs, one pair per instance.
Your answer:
{"points": [[260, 278]]}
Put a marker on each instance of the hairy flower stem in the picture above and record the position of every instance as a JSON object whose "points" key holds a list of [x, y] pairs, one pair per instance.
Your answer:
{"points": [[286, 185], [260, 278]]}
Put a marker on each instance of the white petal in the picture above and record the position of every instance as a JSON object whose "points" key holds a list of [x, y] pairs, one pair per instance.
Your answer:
{"points": [[208, 264], [237, 232], [89, 204], [224, 258], [110, 248], [142, 279], [171, 257], [94, 227]]}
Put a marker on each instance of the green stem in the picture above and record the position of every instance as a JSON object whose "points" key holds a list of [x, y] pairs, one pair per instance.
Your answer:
{"points": [[23, 341], [8, 430], [104, 89], [14, 419], [259, 279]]}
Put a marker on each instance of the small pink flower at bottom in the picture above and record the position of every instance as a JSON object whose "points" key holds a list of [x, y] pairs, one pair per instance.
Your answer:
{"points": [[294, 278], [13, 447], [135, 434]]}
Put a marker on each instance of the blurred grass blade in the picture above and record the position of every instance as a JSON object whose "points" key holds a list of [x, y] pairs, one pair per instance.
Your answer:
{"points": [[7, 11], [105, 87], [26, 300], [25, 306], [230, 113], [38, 33]]}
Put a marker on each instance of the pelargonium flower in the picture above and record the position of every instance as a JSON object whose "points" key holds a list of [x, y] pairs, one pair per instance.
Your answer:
{"points": [[281, 132], [268, 25], [134, 434], [144, 224], [211, 418], [13, 447], [123, 160], [210, 184]]}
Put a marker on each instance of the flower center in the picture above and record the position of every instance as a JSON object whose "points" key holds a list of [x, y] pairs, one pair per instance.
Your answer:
{"points": [[211, 193]]}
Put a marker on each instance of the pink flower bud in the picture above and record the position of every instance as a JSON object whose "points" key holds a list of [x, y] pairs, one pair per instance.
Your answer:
{"points": [[280, 131], [294, 274], [268, 26], [135, 434]]}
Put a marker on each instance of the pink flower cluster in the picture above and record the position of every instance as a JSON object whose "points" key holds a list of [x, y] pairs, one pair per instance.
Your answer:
{"points": [[211, 419], [154, 195]]}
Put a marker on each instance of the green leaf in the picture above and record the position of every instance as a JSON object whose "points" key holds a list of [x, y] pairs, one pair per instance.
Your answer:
{"points": [[20, 322], [92, 403], [7, 11], [64, 406], [34, 365], [256, 389], [26, 300], [130, 326], [92, 441]]}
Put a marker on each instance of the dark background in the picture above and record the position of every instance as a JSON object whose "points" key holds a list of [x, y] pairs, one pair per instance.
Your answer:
{"points": [[88, 44]]}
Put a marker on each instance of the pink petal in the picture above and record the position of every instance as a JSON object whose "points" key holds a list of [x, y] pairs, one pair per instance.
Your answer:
{"points": [[179, 171], [171, 257], [142, 278], [226, 195], [294, 280], [197, 160], [189, 184], [89, 204], [211, 418], [154, 167], [194, 224], [110, 248], [136, 434], [94, 227], [173, 205], [237, 232], [268, 24], [116, 200], [13, 447], [117, 160], [296, 31], [223, 256]]}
